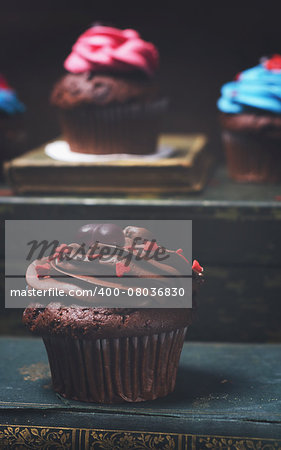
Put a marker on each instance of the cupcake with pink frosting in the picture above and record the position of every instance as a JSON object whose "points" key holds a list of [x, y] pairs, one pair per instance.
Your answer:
{"points": [[108, 101]]}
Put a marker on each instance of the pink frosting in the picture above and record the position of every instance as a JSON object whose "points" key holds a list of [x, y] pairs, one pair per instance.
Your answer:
{"points": [[103, 48]]}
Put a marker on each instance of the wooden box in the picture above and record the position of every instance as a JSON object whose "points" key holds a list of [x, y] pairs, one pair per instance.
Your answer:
{"points": [[185, 170]]}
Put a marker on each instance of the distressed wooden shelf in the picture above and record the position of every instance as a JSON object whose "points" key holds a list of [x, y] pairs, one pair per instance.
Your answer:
{"points": [[236, 237], [226, 396], [185, 170]]}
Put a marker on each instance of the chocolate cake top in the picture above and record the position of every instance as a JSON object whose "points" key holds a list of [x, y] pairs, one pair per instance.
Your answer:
{"points": [[101, 323], [74, 90]]}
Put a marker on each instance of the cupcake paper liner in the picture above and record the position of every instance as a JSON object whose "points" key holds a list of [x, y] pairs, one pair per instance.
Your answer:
{"points": [[252, 158], [114, 129], [114, 370]]}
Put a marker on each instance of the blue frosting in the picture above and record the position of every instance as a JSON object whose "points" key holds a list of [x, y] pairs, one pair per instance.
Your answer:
{"points": [[256, 88], [9, 102]]}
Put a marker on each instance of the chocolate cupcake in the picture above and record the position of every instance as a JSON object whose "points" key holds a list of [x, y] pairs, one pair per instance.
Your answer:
{"points": [[12, 134], [108, 101], [251, 123], [106, 354]]}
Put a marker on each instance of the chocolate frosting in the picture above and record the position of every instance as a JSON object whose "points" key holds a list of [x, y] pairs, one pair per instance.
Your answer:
{"points": [[87, 274], [92, 321]]}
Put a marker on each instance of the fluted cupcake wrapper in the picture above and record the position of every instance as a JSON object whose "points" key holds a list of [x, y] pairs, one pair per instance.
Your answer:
{"points": [[114, 370], [129, 129], [252, 158]]}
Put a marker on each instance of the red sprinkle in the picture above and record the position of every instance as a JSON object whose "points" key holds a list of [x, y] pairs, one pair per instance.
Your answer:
{"points": [[129, 248], [196, 267], [237, 77], [94, 256], [121, 268], [63, 248], [42, 270], [273, 63], [179, 252], [149, 247]]}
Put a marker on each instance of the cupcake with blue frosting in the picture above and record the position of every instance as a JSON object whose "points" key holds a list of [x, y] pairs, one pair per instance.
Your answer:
{"points": [[12, 133], [250, 116]]}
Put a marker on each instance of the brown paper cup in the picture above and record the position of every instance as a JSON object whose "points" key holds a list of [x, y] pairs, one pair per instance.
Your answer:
{"points": [[131, 129], [252, 158], [114, 370]]}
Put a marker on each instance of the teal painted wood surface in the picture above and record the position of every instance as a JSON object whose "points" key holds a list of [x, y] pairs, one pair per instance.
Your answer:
{"points": [[230, 390]]}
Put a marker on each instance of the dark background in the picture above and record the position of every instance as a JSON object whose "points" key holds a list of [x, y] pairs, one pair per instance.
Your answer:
{"points": [[201, 44]]}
